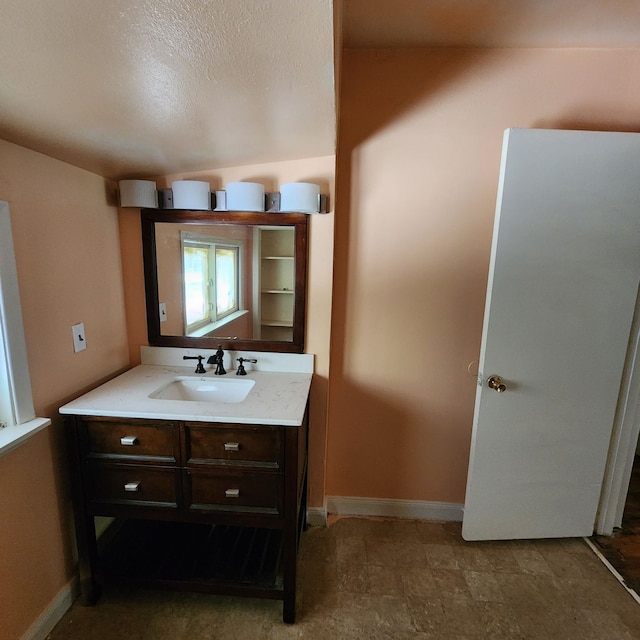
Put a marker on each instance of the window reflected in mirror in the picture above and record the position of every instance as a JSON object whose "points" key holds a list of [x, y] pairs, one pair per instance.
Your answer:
{"points": [[211, 282]]}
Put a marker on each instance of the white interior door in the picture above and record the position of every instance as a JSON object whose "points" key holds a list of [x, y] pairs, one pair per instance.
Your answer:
{"points": [[563, 288]]}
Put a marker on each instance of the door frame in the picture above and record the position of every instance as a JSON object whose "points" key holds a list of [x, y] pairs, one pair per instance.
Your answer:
{"points": [[624, 438]]}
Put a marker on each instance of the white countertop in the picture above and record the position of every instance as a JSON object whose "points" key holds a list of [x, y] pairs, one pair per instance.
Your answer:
{"points": [[276, 398]]}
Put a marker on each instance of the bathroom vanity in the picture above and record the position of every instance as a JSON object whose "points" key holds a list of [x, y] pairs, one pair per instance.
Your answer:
{"points": [[206, 496]]}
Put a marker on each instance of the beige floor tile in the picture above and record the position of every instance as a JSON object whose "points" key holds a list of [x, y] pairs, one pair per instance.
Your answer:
{"points": [[523, 590], [395, 554], [353, 578], [318, 545], [351, 550], [365, 616], [532, 561], [499, 621], [562, 563], [473, 557], [462, 616], [385, 581], [419, 583], [427, 615], [451, 583], [484, 586], [441, 556], [501, 558], [607, 624], [317, 574], [376, 579], [439, 533]]}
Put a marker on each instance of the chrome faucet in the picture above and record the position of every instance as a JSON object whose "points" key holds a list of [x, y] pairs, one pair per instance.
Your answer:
{"points": [[217, 360]]}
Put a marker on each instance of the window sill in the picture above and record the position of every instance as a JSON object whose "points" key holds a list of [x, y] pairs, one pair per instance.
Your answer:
{"points": [[13, 436], [203, 331]]}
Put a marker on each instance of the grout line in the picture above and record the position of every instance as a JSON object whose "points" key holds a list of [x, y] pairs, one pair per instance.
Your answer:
{"points": [[612, 569]]}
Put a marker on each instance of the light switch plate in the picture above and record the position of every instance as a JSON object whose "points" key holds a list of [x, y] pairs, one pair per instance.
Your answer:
{"points": [[163, 312], [79, 339]]}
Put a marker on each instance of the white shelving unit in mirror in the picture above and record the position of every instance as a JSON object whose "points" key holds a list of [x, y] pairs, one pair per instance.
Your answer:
{"points": [[275, 294]]}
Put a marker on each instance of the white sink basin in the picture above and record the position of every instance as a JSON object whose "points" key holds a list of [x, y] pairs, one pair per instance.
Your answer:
{"points": [[225, 390]]}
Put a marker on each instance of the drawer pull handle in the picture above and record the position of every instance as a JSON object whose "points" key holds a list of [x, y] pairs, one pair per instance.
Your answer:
{"points": [[129, 441], [232, 446], [132, 486], [232, 493]]}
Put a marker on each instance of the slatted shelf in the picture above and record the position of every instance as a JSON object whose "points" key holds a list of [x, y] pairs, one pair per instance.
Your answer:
{"points": [[181, 554]]}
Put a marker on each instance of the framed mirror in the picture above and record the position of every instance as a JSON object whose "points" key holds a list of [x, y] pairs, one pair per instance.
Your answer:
{"points": [[225, 278]]}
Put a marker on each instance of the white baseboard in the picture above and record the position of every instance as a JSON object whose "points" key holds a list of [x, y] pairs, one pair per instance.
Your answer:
{"points": [[317, 516], [50, 617], [409, 509]]}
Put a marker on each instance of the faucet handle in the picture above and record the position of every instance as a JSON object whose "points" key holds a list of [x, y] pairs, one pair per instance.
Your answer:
{"points": [[199, 367], [241, 370]]}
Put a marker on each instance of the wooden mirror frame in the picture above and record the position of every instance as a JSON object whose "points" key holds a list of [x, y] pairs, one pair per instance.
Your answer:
{"points": [[149, 217]]}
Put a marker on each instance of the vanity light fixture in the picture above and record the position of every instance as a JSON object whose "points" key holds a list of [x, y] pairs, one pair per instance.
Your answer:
{"points": [[245, 196], [138, 193], [300, 197], [194, 195]]}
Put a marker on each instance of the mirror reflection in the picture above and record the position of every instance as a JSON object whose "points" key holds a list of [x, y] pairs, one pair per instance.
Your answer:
{"points": [[226, 280], [233, 278]]}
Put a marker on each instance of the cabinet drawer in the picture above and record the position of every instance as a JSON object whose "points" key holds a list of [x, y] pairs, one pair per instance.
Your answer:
{"points": [[254, 446], [134, 484], [257, 492], [130, 439]]}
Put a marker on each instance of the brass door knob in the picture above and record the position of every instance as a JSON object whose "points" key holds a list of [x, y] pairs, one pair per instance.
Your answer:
{"points": [[495, 383]]}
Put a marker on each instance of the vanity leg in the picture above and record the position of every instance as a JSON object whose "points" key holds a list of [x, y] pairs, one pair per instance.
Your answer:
{"points": [[289, 559], [289, 609], [295, 459], [84, 524], [87, 557], [303, 506]]}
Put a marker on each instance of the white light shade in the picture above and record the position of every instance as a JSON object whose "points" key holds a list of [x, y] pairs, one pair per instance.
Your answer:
{"points": [[245, 196], [191, 194], [299, 197], [138, 193]]}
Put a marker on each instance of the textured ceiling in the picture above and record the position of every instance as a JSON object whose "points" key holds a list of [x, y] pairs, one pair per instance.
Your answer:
{"points": [[147, 87], [134, 88]]}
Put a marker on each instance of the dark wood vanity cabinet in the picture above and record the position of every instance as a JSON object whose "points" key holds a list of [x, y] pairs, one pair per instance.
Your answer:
{"points": [[198, 505]]}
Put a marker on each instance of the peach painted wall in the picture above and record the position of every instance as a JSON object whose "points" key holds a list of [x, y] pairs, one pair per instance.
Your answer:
{"points": [[68, 265], [319, 283], [418, 160]]}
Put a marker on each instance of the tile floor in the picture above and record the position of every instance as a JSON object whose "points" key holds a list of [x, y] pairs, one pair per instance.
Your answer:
{"points": [[371, 579]]}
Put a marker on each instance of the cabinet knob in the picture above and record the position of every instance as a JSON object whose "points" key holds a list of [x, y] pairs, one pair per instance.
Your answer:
{"points": [[129, 441], [232, 493], [232, 446], [132, 486]]}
